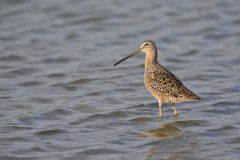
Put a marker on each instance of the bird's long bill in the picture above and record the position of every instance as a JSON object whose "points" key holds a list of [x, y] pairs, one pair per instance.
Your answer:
{"points": [[131, 55]]}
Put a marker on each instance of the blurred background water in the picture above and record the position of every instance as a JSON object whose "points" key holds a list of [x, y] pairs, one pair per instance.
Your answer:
{"points": [[62, 99]]}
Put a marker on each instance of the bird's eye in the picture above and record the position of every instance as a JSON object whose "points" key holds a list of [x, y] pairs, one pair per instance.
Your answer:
{"points": [[145, 44]]}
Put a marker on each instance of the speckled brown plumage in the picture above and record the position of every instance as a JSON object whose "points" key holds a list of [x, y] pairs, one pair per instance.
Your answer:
{"points": [[160, 82], [165, 86]]}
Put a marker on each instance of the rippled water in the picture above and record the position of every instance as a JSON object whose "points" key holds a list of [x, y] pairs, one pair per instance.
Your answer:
{"points": [[62, 99]]}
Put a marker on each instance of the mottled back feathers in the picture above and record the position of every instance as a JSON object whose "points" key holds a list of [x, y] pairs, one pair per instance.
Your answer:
{"points": [[165, 86]]}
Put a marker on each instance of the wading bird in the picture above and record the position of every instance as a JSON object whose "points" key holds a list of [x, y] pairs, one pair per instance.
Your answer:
{"points": [[161, 83]]}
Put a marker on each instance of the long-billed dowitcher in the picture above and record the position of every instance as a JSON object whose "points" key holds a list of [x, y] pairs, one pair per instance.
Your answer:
{"points": [[160, 82]]}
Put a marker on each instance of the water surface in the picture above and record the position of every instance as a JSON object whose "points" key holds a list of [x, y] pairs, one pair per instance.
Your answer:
{"points": [[61, 98]]}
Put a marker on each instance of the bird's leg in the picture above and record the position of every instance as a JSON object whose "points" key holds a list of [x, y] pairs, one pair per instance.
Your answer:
{"points": [[160, 108], [174, 110]]}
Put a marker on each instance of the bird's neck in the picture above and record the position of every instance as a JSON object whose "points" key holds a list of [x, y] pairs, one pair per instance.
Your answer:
{"points": [[151, 57]]}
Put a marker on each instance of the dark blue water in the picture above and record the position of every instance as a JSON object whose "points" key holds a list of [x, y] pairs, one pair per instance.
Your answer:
{"points": [[61, 98]]}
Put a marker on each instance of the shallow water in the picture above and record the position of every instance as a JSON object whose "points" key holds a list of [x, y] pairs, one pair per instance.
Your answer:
{"points": [[61, 98]]}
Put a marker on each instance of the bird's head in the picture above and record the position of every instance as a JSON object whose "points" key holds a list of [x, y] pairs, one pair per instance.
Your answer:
{"points": [[147, 47]]}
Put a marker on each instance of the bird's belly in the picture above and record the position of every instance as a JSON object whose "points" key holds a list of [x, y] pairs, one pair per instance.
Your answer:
{"points": [[157, 91], [150, 87]]}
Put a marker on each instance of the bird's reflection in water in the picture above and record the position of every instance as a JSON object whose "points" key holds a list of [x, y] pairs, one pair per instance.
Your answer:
{"points": [[165, 131], [153, 151]]}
